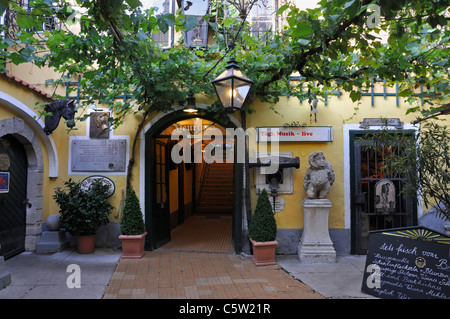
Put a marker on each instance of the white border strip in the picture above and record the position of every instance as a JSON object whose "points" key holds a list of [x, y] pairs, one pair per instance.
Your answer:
{"points": [[37, 125]]}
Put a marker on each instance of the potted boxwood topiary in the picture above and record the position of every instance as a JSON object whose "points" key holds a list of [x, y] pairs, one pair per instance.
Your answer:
{"points": [[263, 231], [132, 227], [83, 211]]}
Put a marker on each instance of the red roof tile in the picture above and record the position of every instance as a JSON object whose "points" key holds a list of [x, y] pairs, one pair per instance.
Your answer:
{"points": [[28, 85]]}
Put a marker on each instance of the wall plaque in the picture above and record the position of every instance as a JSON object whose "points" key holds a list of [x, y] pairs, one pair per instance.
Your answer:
{"points": [[98, 155], [395, 122], [5, 162], [87, 182], [295, 134], [99, 125], [408, 263]]}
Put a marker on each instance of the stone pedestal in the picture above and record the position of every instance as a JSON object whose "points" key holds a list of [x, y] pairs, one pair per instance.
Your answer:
{"points": [[5, 276], [52, 242], [315, 245]]}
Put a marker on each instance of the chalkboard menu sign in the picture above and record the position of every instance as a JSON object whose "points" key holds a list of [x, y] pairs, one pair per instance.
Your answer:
{"points": [[407, 263]]}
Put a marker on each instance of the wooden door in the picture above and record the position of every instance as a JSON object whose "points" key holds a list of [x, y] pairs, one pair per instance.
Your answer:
{"points": [[13, 196], [161, 207]]}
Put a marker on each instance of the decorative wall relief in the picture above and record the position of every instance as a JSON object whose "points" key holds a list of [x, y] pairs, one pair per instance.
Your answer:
{"points": [[99, 125], [385, 197]]}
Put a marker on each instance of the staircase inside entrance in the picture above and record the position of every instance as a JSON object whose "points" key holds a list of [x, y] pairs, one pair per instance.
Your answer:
{"points": [[216, 189]]}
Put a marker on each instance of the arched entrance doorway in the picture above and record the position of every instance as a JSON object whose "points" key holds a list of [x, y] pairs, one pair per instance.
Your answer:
{"points": [[176, 188], [25, 166], [13, 195]]}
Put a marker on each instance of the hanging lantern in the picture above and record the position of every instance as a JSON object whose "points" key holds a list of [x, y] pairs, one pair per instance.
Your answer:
{"points": [[232, 87]]}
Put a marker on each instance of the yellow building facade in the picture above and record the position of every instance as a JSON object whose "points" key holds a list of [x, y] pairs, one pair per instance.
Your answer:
{"points": [[174, 191], [33, 164]]}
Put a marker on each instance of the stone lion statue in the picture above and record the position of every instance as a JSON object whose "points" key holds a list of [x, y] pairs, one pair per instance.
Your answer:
{"points": [[319, 177]]}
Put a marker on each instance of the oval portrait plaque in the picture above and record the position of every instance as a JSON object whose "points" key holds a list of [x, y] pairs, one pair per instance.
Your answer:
{"points": [[105, 181]]}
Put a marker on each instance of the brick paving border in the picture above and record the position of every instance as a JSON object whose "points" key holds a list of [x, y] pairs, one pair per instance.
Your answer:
{"points": [[199, 263], [193, 275]]}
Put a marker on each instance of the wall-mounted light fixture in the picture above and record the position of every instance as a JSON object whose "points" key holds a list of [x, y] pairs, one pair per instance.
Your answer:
{"points": [[190, 105]]}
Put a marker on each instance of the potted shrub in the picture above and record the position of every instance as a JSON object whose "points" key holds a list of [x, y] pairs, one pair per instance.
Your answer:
{"points": [[83, 211], [263, 231], [132, 227]]}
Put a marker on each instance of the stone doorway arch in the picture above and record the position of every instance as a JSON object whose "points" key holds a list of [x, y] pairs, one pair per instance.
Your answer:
{"points": [[18, 128]]}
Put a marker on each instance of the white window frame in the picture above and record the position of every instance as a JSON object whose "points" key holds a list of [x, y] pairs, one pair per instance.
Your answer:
{"points": [[197, 8], [262, 12], [147, 4], [2, 22], [57, 24], [266, 10]]}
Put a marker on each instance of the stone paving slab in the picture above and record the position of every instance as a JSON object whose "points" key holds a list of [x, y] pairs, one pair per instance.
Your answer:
{"points": [[45, 276], [339, 280]]}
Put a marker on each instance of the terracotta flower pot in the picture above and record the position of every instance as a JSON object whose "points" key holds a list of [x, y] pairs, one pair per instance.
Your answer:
{"points": [[264, 252], [86, 244], [133, 245]]}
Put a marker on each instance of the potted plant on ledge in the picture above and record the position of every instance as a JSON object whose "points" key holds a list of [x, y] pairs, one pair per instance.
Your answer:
{"points": [[83, 211], [132, 227], [263, 231]]}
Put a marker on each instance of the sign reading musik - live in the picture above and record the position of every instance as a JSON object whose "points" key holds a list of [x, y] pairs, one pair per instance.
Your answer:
{"points": [[295, 134], [98, 155], [408, 263]]}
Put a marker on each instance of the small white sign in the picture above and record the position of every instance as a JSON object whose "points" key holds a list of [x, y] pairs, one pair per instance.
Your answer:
{"points": [[295, 134], [279, 203]]}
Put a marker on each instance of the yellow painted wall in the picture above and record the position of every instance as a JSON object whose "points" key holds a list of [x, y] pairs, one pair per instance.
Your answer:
{"points": [[61, 139], [339, 110]]}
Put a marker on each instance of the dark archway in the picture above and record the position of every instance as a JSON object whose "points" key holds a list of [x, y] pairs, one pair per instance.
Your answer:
{"points": [[157, 216]]}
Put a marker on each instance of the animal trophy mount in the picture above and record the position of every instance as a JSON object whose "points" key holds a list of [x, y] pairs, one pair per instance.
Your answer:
{"points": [[58, 109]]}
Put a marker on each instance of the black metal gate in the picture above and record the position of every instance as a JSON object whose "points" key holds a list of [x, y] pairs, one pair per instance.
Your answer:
{"points": [[376, 199], [13, 194]]}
